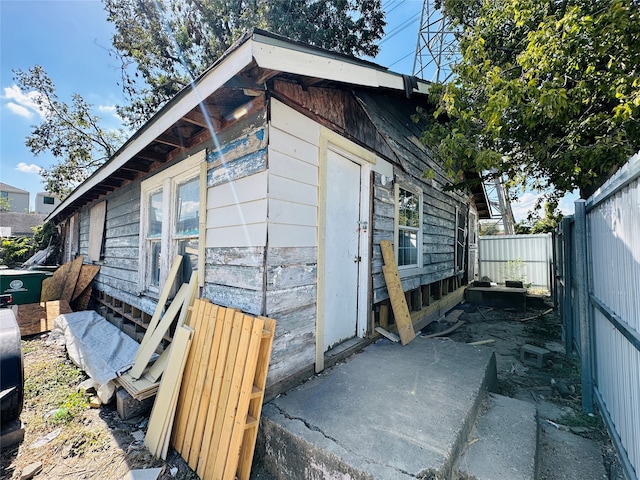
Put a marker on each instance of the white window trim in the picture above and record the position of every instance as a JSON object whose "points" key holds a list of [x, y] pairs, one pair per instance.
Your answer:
{"points": [[396, 230], [168, 180]]}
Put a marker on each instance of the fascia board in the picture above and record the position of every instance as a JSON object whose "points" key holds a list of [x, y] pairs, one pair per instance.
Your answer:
{"points": [[165, 118]]}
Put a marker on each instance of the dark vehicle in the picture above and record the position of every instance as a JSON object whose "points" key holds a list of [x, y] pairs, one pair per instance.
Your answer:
{"points": [[11, 368]]}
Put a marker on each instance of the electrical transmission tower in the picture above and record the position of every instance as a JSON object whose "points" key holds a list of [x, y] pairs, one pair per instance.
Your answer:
{"points": [[499, 205], [437, 47]]}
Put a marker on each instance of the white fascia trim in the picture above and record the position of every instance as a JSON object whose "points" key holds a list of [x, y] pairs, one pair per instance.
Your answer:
{"points": [[211, 82], [275, 57]]}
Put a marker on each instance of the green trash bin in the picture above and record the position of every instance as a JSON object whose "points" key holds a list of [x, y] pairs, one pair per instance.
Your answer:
{"points": [[23, 285]]}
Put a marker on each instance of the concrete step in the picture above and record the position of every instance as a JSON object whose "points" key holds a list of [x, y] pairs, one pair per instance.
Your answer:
{"points": [[504, 443], [389, 412]]}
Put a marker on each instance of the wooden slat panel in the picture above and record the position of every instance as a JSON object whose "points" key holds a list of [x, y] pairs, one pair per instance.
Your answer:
{"points": [[232, 402], [191, 369], [199, 458], [255, 405], [225, 391], [201, 408], [246, 393]]}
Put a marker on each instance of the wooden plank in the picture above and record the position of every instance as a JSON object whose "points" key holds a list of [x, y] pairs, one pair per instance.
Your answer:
{"points": [[145, 352], [247, 392], [198, 459], [232, 401], [255, 405], [384, 315], [391, 336], [71, 279], [164, 296], [398, 304], [159, 421], [396, 294], [447, 331], [87, 274], [36, 318]]}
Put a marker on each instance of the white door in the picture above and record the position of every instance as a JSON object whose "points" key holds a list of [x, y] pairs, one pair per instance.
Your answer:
{"points": [[342, 255]]}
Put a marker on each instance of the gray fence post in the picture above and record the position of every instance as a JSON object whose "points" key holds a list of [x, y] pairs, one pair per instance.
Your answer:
{"points": [[567, 279], [584, 307]]}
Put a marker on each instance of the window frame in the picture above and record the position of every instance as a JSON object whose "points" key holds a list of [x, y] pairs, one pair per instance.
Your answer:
{"points": [[418, 230], [168, 181], [461, 260]]}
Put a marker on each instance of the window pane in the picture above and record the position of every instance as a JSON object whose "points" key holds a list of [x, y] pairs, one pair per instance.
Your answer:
{"points": [[188, 202], [188, 248], [408, 209], [155, 215], [48, 200], [407, 247], [155, 253]]}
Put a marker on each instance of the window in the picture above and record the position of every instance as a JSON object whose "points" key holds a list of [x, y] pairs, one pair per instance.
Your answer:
{"points": [[48, 200], [170, 223], [408, 227]]}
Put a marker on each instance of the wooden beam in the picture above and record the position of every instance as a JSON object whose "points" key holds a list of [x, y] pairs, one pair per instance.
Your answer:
{"points": [[396, 294]]}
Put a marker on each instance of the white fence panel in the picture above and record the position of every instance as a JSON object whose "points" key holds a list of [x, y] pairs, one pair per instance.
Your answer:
{"points": [[517, 257]]}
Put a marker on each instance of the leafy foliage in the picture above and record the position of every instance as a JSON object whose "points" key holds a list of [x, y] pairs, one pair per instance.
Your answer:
{"points": [[164, 45], [5, 204], [546, 92], [14, 250], [69, 131]]}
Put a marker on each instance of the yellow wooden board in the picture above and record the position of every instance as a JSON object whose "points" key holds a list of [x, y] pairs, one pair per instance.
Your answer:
{"points": [[396, 294], [71, 279], [36, 318]]}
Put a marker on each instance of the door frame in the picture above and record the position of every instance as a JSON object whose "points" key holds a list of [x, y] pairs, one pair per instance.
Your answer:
{"points": [[330, 140]]}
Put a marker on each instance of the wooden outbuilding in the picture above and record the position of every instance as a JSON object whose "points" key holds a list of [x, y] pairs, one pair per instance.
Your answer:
{"points": [[276, 174]]}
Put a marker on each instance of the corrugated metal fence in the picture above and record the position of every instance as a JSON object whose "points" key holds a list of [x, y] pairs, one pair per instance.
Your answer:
{"points": [[517, 257], [598, 279]]}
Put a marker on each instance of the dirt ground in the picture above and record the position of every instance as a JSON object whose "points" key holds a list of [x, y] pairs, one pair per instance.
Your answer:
{"points": [[73, 441]]}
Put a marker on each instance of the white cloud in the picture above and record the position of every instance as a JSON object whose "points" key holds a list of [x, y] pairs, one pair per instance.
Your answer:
{"points": [[107, 108], [524, 205], [28, 168], [19, 110], [23, 104]]}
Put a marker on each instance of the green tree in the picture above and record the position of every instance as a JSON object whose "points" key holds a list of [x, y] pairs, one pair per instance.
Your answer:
{"points": [[546, 92], [69, 131], [5, 204], [163, 45]]}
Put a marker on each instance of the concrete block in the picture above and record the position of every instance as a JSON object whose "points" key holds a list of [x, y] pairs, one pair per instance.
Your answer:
{"points": [[532, 355], [128, 407]]}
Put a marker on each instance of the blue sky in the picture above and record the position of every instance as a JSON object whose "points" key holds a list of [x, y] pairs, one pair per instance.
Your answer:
{"points": [[70, 39]]}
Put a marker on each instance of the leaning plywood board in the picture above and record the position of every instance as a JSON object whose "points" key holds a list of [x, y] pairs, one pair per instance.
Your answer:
{"points": [[87, 274], [161, 415], [36, 318], [396, 294], [52, 287], [71, 279]]}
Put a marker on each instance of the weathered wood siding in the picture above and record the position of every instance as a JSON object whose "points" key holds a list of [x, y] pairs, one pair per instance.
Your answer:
{"points": [[291, 256], [384, 125], [118, 274], [237, 212]]}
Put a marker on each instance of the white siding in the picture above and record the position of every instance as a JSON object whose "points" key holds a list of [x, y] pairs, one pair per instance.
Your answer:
{"points": [[293, 178], [237, 213]]}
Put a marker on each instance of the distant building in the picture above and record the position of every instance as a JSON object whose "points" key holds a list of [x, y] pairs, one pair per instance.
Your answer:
{"points": [[14, 224], [46, 203], [18, 198]]}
